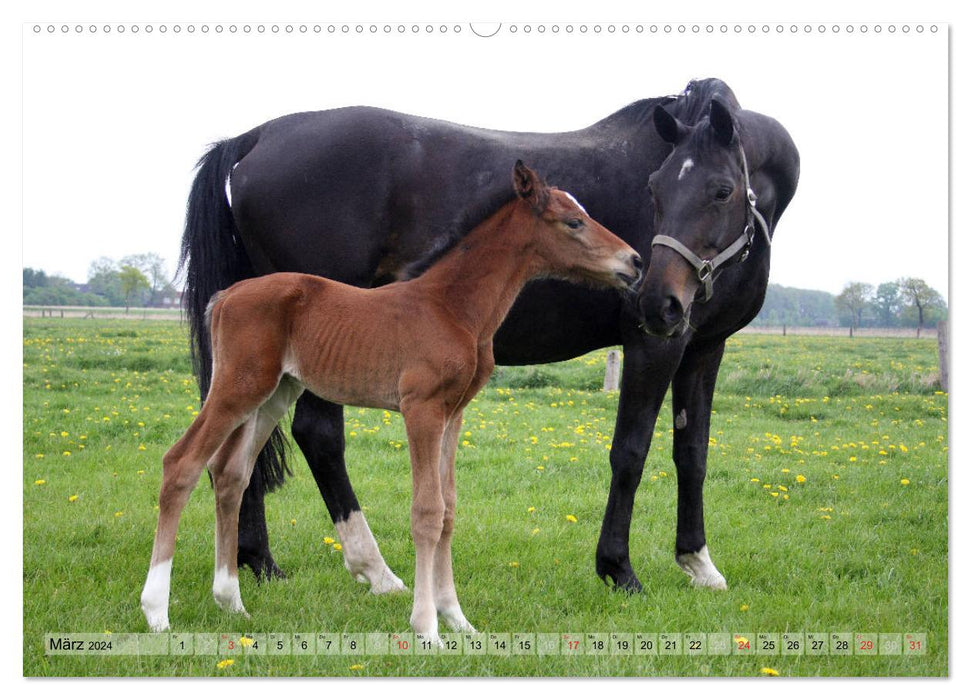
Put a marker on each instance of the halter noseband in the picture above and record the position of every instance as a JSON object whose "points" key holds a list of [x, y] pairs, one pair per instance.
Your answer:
{"points": [[708, 269]]}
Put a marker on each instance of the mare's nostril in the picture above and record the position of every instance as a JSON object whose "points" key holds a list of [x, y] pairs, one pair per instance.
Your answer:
{"points": [[671, 310], [637, 262]]}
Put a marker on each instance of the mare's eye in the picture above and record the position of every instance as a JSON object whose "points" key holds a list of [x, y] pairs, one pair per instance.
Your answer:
{"points": [[723, 193], [574, 223]]}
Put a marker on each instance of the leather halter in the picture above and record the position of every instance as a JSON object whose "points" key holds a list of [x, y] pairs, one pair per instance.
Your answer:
{"points": [[707, 269]]}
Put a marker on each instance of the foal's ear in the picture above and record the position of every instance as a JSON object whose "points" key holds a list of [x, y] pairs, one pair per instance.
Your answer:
{"points": [[722, 122], [668, 126], [530, 187]]}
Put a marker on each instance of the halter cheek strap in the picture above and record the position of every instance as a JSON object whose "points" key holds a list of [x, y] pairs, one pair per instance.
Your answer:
{"points": [[707, 270]]}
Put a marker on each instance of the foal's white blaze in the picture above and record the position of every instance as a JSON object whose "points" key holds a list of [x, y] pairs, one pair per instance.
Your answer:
{"points": [[362, 556], [155, 596], [574, 200], [701, 570], [686, 167]]}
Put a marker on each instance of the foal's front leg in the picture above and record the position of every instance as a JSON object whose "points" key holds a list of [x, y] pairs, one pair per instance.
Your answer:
{"points": [[446, 600], [425, 425]]}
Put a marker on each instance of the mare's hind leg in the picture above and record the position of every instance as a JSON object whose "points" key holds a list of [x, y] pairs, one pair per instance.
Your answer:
{"points": [[231, 470], [318, 427], [181, 468], [446, 600]]}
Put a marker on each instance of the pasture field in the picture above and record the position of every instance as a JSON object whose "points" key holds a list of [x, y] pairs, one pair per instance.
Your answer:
{"points": [[827, 511]]}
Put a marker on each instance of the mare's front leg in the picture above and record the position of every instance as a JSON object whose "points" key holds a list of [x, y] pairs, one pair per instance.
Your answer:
{"points": [[692, 391], [648, 366], [318, 427]]}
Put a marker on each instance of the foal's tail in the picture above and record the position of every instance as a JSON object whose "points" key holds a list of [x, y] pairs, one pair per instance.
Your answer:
{"points": [[214, 258]]}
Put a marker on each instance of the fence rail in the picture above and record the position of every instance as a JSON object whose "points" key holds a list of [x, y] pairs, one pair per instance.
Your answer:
{"points": [[139, 313], [929, 332]]}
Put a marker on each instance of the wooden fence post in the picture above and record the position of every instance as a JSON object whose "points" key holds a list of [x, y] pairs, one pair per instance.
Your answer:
{"points": [[612, 374], [942, 352]]}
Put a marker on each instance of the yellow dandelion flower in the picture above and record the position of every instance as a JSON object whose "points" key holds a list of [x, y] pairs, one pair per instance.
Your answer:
{"points": [[66, 453], [800, 479], [531, 509], [293, 521], [246, 641], [785, 471], [825, 517], [743, 607], [119, 513], [337, 546], [328, 540], [514, 564], [72, 499], [142, 448], [225, 663], [774, 494], [40, 482], [781, 487], [754, 480], [356, 667], [64, 433], [740, 639], [766, 671], [535, 531], [39, 455], [571, 518], [905, 481]]}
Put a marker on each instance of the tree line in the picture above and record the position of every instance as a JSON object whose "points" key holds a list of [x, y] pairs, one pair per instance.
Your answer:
{"points": [[908, 302], [135, 280]]}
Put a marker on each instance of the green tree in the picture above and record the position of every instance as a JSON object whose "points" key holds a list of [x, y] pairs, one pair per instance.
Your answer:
{"points": [[854, 299], [922, 298], [132, 281], [152, 265], [886, 303]]}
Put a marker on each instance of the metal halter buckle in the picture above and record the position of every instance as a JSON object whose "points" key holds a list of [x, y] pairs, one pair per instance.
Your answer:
{"points": [[705, 270]]}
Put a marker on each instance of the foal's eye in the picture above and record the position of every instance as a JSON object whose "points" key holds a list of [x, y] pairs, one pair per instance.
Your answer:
{"points": [[574, 223], [723, 193]]}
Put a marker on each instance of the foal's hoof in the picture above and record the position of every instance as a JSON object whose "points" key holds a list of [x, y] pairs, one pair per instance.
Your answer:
{"points": [[431, 637]]}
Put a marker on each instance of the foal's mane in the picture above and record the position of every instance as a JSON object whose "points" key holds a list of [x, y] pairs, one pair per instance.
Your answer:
{"points": [[461, 227]]}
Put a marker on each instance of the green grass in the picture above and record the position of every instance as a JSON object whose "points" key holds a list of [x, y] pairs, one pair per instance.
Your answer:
{"points": [[808, 513]]}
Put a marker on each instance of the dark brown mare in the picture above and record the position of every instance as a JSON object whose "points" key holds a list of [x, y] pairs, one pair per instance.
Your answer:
{"points": [[359, 194], [422, 347]]}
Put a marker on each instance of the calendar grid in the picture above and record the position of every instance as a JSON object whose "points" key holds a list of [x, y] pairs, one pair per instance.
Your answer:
{"points": [[500, 644]]}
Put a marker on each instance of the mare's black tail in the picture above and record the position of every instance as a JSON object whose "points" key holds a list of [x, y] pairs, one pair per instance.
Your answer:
{"points": [[214, 258]]}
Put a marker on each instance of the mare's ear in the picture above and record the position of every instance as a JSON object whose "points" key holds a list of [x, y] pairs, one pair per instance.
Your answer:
{"points": [[530, 187], [668, 127], [722, 122]]}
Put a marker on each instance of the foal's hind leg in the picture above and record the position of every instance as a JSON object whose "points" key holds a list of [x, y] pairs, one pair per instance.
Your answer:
{"points": [[181, 468], [446, 600], [231, 470]]}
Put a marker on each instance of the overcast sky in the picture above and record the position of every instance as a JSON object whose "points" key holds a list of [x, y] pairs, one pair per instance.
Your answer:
{"points": [[114, 123]]}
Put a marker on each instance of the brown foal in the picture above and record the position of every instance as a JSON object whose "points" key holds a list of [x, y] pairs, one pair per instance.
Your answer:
{"points": [[422, 347]]}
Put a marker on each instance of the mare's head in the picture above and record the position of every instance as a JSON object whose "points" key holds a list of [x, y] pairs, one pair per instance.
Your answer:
{"points": [[703, 218], [569, 243]]}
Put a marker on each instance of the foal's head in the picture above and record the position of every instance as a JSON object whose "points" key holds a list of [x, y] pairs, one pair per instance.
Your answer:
{"points": [[571, 245]]}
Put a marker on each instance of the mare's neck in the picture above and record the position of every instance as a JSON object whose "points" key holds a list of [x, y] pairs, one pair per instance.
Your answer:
{"points": [[478, 280]]}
